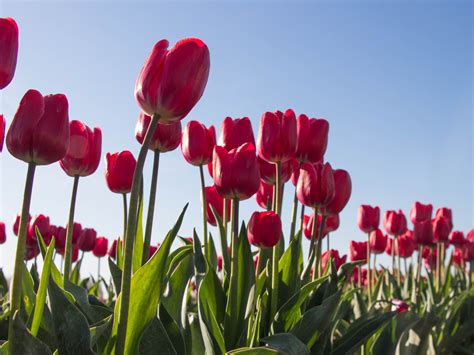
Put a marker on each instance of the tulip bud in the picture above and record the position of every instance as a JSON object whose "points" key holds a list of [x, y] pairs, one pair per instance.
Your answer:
{"points": [[16, 223], [264, 229], [457, 257], [457, 238], [119, 169], [217, 202], [395, 223], [100, 247], [277, 137], [399, 306], [468, 251], [312, 139], [87, 239], [152, 251], [31, 252], [315, 185], [76, 232], [3, 233], [83, 154], [334, 255], [441, 229], [2, 131], [9, 52], [112, 252], [172, 81], [420, 212], [331, 224], [264, 195], [446, 213], [197, 143], [342, 192], [39, 132], [236, 132], [368, 218], [60, 238], [378, 241], [406, 245], [358, 251], [42, 223], [165, 138], [423, 233]]}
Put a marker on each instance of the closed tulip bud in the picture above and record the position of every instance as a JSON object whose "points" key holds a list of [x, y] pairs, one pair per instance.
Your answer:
{"points": [[277, 137], [446, 213], [31, 252], [85, 147], [172, 81], [420, 212], [2, 131], [456, 238], [264, 195], [152, 251], [423, 233], [312, 139], [331, 225], [334, 255], [9, 52], [217, 202], [87, 239], [395, 223], [236, 132], [42, 223], [406, 245], [368, 218], [268, 171], [16, 223], [100, 247], [166, 137], [441, 229], [236, 173], [60, 238], [112, 252], [315, 186], [76, 232], [219, 262], [197, 143], [378, 241], [264, 229], [119, 169], [468, 251], [343, 189], [358, 251], [39, 132], [3, 233], [457, 257]]}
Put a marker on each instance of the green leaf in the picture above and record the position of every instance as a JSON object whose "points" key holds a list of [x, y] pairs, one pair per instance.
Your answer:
{"points": [[24, 342], [172, 329], [288, 267], [55, 273], [223, 241], [116, 273], [155, 340], [286, 343], [193, 337], [76, 272], [387, 341], [138, 244], [28, 292], [255, 351], [200, 265]]}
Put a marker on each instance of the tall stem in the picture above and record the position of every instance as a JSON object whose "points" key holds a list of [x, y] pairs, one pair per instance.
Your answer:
{"points": [[125, 217], [276, 248], [319, 245], [207, 253], [98, 269], [418, 269], [151, 206], [369, 274], [399, 269], [302, 218], [234, 221], [70, 229], [15, 293], [293, 217], [130, 238]]}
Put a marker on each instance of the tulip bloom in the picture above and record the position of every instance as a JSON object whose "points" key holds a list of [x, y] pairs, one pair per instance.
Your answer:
{"points": [[446, 213], [39, 132], [83, 154], [166, 137], [395, 223], [60, 238], [16, 223], [217, 202], [100, 247], [457, 257], [368, 218], [358, 251], [3, 233], [2, 131], [277, 137], [406, 245], [264, 195], [31, 252], [236, 173], [264, 229], [9, 52], [312, 139], [331, 224], [423, 233], [456, 238], [378, 241], [87, 239], [316, 185], [197, 143], [343, 189], [42, 223], [420, 212], [119, 169], [468, 251], [112, 251], [441, 229], [399, 306], [236, 132], [268, 171], [334, 255], [76, 232]]}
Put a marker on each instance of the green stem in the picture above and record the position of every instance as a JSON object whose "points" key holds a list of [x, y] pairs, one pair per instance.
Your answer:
{"points": [[294, 214], [125, 211], [302, 219], [438, 273], [399, 269], [317, 263], [234, 221], [130, 238], [312, 246], [151, 206], [369, 274], [207, 252], [15, 293], [70, 229], [276, 248]]}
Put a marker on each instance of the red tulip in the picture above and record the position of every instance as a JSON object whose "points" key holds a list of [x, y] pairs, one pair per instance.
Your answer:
{"points": [[295, 171], [219, 262], [112, 252], [406, 245], [343, 189], [456, 238], [358, 251], [31, 252], [468, 251], [368, 218], [172, 81], [389, 245], [420, 212], [315, 185], [425, 252], [3, 233], [395, 223], [268, 171], [399, 306], [430, 259], [457, 257], [470, 235], [236, 132], [264, 229], [423, 233], [332, 224], [441, 229], [100, 247], [39, 132], [2, 131], [152, 251], [197, 143], [334, 254], [355, 276], [60, 238], [119, 169], [264, 195], [277, 137], [378, 241], [9, 52], [87, 239], [76, 232], [16, 223], [446, 213], [217, 202], [166, 137], [312, 139], [42, 223], [236, 173]]}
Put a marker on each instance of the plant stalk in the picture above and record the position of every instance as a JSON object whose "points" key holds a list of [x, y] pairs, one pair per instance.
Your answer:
{"points": [[70, 229], [207, 252], [151, 206], [276, 248]]}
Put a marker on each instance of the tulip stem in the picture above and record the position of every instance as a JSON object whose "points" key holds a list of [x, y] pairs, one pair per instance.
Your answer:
{"points": [[418, 270], [15, 293], [151, 207], [234, 222], [438, 273], [319, 245], [369, 273], [130, 234], [70, 229], [98, 269], [207, 252], [125, 211], [276, 248], [294, 214], [399, 269], [311, 255], [327, 243]]}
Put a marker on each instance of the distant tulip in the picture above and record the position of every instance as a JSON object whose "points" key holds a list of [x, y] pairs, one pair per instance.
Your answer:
{"points": [[430, 259], [470, 235], [236, 173], [39, 132], [2, 131], [76, 232], [399, 306], [217, 202], [358, 251], [9, 52], [268, 171], [368, 218], [87, 239], [60, 238], [166, 137], [264, 229], [420, 212], [277, 137], [100, 247], [468, 251], [456, 238], [332, 224], [315, 185], [85, 147], [16, 223], [119, 169], [219, 262], [406, 245], [312, 139], [197, 143], [264, 195], [457, 257], [172, 81], [441, 229], [152, 251], [112, 251], [31, 252], [395, 223], [423, 233], [334, 255], [343, 189], [378, 241], [446, 213], [355, 276], [42, 223], [3, 233], [235, 132]]}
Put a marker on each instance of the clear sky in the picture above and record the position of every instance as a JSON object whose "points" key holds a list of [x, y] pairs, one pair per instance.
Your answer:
{"points": [[394, 79]]}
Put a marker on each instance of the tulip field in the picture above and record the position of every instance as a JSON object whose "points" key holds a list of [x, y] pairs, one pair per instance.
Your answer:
{"points": [[255, 286]]}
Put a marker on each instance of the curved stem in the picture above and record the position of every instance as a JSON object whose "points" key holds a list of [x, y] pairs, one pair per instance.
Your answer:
{"points": [[399, 269], [369, 272], [234, 221], [15, 291], [70, 229], [130, 238], [317, 263], [293, 217], [207, 252], [151, 206], [302, 219], [125, 211], [276, 248]]}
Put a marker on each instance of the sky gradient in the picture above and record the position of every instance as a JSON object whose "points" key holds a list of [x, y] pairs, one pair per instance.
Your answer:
{"points": [[394, 79]]}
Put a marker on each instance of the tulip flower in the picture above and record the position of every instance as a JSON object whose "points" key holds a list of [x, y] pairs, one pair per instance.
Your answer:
{"points": [[219, 263], [31, 252], [235, 132], [172, 81], [2, 131], [217, 202], [395, 223], [358, 251], [268, 171], [42, 223], [368, 218], [112, 251], [87, 239], [456, 238], [406, 245], [423, 233], [295, 171], [457, 258], [3, 233], [60, 237], [9, 52], [343, 189], [441, 229], [334, 255], [197, 143], [16, 223], [399, 306], [446, 213], [100, 247], [316, 185], [378, 241], [152, 251], [360, 276], [264, 195], [264, 229], [468, 251], [420, 212], [312, 139], [331, 224]]}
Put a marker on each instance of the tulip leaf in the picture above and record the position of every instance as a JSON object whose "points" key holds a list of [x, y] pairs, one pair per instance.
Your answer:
{"points": [[193, 337], [289, 270], [55, 273], [24, 342], [223, 241], [138, 255], [172, 329], [386, 342], [200, 265], [213, 252], [286, 343], [76, 273], [255, 351], [116, 273], [155, 340], [100, 333]]}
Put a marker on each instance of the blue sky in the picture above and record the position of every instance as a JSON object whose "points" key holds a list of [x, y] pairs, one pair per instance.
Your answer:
{"points": [[394, 79]]}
